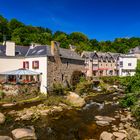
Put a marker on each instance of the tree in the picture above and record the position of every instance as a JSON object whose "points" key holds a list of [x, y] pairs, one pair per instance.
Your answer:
{"points": [[77, 37], [14, 24], [3, 28], [21, 36]]}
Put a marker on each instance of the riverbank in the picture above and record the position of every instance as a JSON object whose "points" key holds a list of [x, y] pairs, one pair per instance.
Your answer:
{"points": [[99, 118]]}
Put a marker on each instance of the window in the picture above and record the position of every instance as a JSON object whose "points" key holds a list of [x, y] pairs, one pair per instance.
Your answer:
{"points": [[35, 64], [95, 65], [62, 77], [121, 63], [26, 65], [129, 64], [67, 64]]}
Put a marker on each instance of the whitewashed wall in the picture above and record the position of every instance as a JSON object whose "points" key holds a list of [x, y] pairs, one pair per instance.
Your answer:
{"points": [[14, 63], [10, 63], [125, 67], [42, 69]]}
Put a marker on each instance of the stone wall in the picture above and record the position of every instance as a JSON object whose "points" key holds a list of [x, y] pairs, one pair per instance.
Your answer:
{"points": [[15, 89], [59, 73]]}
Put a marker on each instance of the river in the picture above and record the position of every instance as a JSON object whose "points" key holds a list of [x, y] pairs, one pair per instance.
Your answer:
{"points": [[71, 124]]}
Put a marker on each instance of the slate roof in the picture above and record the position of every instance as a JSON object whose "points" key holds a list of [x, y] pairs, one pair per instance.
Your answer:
{"points": [[41, 51], [2, 50], [19, 50], [101, 55], [135, 50], [115, 55]]}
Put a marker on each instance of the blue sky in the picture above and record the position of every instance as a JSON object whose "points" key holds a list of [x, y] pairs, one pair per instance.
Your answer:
{"points": [[100, 19]]}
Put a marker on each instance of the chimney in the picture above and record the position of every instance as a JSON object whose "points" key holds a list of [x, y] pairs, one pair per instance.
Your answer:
{"points": [[10, 48], [55, 48], [72, 48], [33, 45]]}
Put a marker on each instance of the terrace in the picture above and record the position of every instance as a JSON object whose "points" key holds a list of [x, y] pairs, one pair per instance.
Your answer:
{"points": [[11, 82]]}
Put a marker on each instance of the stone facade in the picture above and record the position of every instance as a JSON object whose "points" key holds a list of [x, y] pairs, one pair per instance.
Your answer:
{"points": [[99, 64], [59, 73], [54, 63], [16, 89]]}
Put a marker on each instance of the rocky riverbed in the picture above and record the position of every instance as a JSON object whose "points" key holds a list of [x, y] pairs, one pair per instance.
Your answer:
{"points": [[93, 118]]}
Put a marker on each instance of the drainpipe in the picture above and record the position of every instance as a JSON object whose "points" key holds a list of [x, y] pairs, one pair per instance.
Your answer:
{"points": [[47, 74]]}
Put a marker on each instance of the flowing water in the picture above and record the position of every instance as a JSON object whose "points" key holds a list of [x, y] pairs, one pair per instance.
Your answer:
{"points": [[73, 124]]}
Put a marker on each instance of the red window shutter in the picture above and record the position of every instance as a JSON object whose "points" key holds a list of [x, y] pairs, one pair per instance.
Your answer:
{"points": [[33, 64], [27, 63], [37, 64], [24, 65]]}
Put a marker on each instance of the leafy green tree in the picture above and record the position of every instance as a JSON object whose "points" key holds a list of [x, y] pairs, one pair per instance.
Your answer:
{"points": [[20, 36], [14, 24], [25, 34], [95, 45], [3, 28], [77, 37]]}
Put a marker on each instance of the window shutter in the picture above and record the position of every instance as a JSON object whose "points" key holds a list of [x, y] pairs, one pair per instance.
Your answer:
{"points": [[33, 64], [27, 63], [38, 64], [24, 65]]}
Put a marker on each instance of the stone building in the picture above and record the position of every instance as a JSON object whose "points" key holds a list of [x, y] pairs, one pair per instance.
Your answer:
{"points": [[135, 51], [55, 64], [109, 64], [100, 64]]}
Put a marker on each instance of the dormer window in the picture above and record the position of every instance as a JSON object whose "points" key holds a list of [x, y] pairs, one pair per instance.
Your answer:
{"points": [[17, 53]]}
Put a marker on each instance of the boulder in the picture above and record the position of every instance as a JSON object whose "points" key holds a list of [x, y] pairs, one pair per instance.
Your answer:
{"points": [[5, 138], [75, 99], [104, 118], [8, 105], [133, 133], [114, 128], [123, 131], [24, 134], [27, 116], [102, 123], [111, 89], [57, 109], [106, 136], [119, 135], [2, 118], [121, 126], [44, 112]]}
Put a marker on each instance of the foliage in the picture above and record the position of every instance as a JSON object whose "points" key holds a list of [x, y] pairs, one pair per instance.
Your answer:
{"points": [[133, 93], [76, 77], [136, 110], [84, 87], [129, 99], [24, 35], [133, 84], [56, 100], [57, 89], [2, 94]]}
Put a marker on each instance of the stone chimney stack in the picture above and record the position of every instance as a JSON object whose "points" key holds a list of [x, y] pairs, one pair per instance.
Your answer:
{"points": [[90, 69], [10, 48], [55, 48]]}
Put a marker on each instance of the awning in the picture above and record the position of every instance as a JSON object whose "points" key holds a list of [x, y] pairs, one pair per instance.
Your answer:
{"points": [[20, 72]]}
